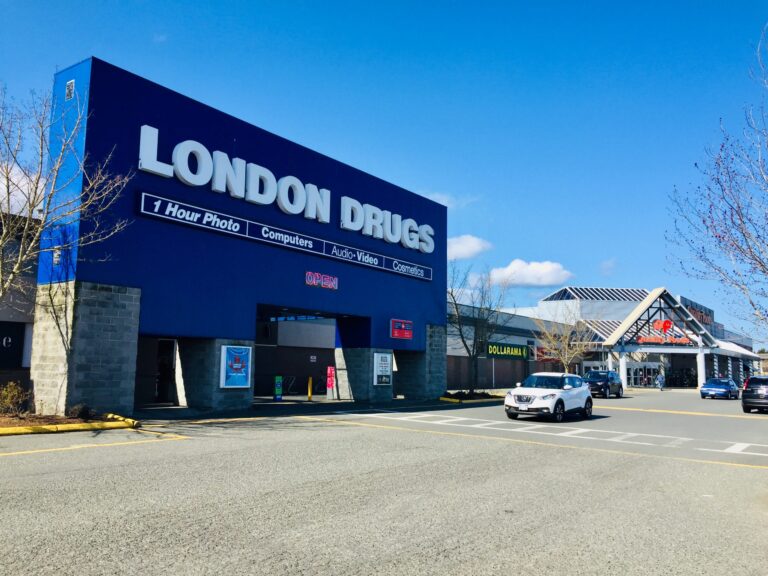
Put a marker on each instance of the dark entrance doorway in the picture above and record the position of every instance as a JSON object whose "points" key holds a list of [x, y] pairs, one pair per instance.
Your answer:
{"points": [[156, 372]]}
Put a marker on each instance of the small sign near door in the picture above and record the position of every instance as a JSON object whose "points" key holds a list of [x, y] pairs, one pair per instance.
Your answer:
{"points": [[382, 369]]}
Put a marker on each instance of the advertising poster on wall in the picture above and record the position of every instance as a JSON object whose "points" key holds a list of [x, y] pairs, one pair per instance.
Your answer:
{"points": [[235, 367], [382, 369]]}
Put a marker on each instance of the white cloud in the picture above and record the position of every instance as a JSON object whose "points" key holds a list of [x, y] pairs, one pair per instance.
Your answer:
{"points": [[607, 267], [466, 246], [448, 200], [522, 273]]}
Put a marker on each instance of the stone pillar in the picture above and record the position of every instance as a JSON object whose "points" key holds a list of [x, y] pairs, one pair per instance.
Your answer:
{"points": [[701, 368], [200, 372], [741, 371], [354, 375], [715, 365], [730, 366], [610, 360], [422, 375], [623, 369], [84, 347]]}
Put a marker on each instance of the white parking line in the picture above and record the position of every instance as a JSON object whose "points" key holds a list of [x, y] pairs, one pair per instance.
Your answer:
{"points": [[612, 436]]}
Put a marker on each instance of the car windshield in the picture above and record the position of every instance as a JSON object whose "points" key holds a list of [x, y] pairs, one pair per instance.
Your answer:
{"points": [[717, 382], [539, 381], [596, 375]]}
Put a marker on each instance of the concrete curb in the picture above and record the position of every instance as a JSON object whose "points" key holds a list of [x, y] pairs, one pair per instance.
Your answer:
{"points": [[117, 423], [133, 423]]}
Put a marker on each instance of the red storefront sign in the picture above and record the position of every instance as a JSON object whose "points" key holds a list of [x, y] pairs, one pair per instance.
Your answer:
{"points": [[402, 329], [330, 378]]}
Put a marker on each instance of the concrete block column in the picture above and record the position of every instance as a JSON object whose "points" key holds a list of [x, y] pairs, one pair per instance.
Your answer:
{"points": [[200, 360], [423, 375], [354, 375], [84, 347]]}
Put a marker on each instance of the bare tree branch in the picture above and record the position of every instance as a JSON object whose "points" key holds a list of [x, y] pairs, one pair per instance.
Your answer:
{"points": [[565, 338], [46, 185], [723, 224], [475, 315]]}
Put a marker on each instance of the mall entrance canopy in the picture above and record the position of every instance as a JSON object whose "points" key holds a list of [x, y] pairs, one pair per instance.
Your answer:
{"points": [[660, 324]]}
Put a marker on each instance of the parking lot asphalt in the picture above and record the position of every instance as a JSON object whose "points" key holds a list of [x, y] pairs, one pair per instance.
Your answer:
{"points": [[656, 483]]}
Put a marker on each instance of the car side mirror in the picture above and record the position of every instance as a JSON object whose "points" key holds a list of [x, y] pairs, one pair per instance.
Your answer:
{"points": [[518, 385], [567, 387]]}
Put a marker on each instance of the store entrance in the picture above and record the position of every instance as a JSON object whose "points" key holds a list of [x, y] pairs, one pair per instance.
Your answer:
{"points": [[156, 372], [297, 347]]}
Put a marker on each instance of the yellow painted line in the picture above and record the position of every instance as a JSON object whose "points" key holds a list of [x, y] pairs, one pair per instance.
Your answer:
{"points": [[536, 443], [85, 446], [679, 412]]}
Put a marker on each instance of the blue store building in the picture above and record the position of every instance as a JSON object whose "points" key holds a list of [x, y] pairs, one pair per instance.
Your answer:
{"points": [[245, 257]]}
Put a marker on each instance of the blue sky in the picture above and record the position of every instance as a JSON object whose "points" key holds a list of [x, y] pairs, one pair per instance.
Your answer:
{"points": [[555, 131]]}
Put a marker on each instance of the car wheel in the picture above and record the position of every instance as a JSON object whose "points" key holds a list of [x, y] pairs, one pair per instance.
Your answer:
{"points": [[703, 397], [587, 411], [512, 415], [559, 413], [607, 392], [620, 392], [746, 409]]}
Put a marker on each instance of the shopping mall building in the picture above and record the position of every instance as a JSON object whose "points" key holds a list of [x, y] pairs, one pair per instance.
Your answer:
{"points": [[253, 266], [640, 333], [248, 264]]}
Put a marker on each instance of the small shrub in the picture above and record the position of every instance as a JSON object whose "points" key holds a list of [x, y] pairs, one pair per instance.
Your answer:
{"points": [[13, 399], [82, 411]]}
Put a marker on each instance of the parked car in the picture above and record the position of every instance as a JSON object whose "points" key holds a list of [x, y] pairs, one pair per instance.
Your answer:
{"points": [[755, 394], [605, 382], [719, 388], [550, 394]]}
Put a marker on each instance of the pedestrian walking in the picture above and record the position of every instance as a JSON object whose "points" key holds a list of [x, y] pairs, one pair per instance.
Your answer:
{"points": [[660, 382]]}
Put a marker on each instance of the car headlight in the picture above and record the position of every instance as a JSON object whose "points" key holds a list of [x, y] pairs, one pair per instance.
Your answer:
{"points": [[548, 396]]}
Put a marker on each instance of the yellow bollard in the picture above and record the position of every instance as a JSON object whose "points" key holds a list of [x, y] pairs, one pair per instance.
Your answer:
{"points": [[309, 390]]}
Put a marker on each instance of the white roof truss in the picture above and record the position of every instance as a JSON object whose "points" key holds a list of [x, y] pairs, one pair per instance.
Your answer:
{"points": [[659, 304]]}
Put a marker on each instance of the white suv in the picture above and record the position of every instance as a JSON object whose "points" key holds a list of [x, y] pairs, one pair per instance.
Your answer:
{"points": [[550, 394]]}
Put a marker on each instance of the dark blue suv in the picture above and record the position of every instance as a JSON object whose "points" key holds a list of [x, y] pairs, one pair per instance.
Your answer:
{"points": [[605, 382]]}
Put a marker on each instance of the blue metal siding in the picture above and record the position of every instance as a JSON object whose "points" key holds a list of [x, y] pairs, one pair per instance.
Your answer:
{"points": [[200, 283]]}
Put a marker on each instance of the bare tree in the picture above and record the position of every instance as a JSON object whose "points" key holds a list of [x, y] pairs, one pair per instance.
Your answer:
{"points": [[723, 224], [565, 338], [475, 303], [45, 187]]}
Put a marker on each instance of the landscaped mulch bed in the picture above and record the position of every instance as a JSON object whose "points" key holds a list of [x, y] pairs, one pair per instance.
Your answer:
{"points": [[36, 420]]}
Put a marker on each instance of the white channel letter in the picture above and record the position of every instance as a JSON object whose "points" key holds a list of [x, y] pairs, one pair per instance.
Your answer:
{"points": [[181, 154], [291, 203], [373, 219], [393, 225], [318, 204], [148, 161], [261, 186], [426, 242], [228, 175], [352, 216], [410, 237]]}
